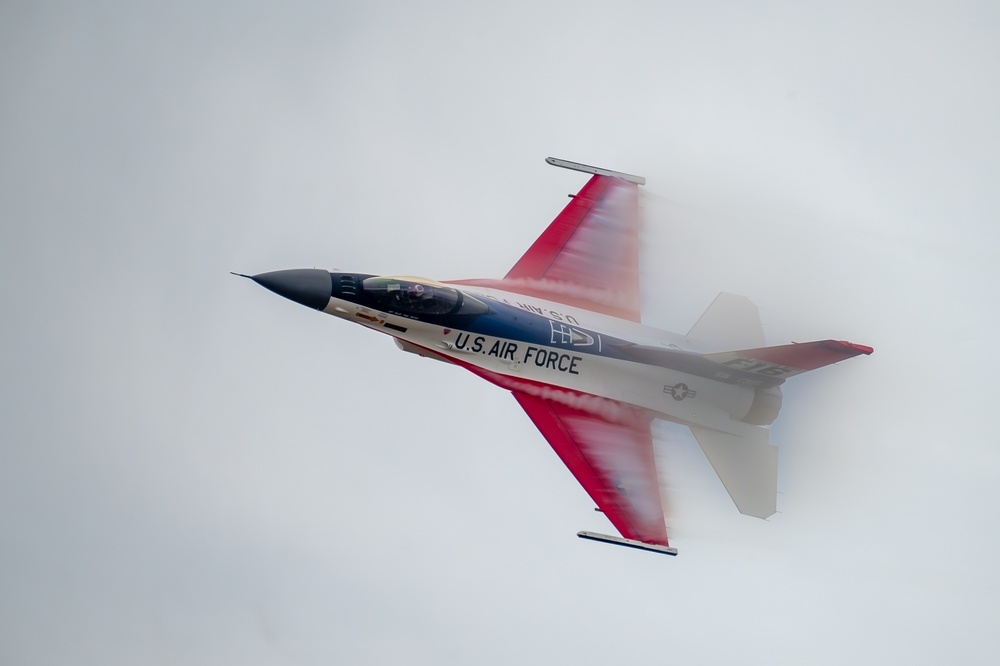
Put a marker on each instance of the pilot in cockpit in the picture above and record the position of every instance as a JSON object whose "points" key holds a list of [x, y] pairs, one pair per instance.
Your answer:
{"points": [[416, 296], [419, 298]]}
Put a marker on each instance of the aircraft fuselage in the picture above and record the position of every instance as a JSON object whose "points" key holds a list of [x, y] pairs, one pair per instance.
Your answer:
{"points": [[529, 344]]}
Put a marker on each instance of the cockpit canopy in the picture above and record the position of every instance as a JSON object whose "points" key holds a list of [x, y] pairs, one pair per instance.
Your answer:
{"points": [[420, 297]]}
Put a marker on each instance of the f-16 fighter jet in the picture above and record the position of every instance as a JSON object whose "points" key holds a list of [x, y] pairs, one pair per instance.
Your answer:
{"points": [[562, 332]]}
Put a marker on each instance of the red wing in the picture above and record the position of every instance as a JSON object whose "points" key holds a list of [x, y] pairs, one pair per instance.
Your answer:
{"points": [[588, 257], [612, 461]]}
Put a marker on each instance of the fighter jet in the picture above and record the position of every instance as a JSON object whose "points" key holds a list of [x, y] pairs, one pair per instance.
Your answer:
{"points": [[562, 331]]}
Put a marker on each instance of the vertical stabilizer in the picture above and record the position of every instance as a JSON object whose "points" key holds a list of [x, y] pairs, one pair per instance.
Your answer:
{"points": [[730, 322]]}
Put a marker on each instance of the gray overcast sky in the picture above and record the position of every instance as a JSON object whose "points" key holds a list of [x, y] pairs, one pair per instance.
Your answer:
{"points": [[195, 471]]}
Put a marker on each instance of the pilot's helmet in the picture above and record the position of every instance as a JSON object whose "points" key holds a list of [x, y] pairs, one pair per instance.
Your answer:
{"points": [[418, 292]]}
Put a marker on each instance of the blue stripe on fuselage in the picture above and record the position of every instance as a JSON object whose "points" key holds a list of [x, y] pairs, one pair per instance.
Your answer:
{"points": [[514, 323], [508, 322]]}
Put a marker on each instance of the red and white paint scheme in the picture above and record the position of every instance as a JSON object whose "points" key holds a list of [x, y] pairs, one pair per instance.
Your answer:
{"points": [[562, 331]]}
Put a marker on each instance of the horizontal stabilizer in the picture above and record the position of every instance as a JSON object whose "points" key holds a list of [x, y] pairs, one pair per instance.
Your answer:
{"points": [[747, 467], [730, 322]]}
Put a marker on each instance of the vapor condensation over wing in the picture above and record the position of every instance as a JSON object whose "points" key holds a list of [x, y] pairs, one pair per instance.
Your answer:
{"points": [[603, 252], [589, 255]]}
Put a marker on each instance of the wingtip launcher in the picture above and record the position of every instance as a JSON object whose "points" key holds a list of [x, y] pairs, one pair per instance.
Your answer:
{"points": [[597, 171], [628, 543]]}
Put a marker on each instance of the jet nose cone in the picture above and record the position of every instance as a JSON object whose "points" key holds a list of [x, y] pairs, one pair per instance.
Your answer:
{"points": [[309, 286]]}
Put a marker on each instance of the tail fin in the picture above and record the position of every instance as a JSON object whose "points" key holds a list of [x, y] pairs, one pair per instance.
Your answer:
{"points": [[746, 463], [733, 322], [730, 322], [786, 361]]}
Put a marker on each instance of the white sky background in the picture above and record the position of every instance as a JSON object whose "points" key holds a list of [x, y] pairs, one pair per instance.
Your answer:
{"points": [[195, 471]]}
